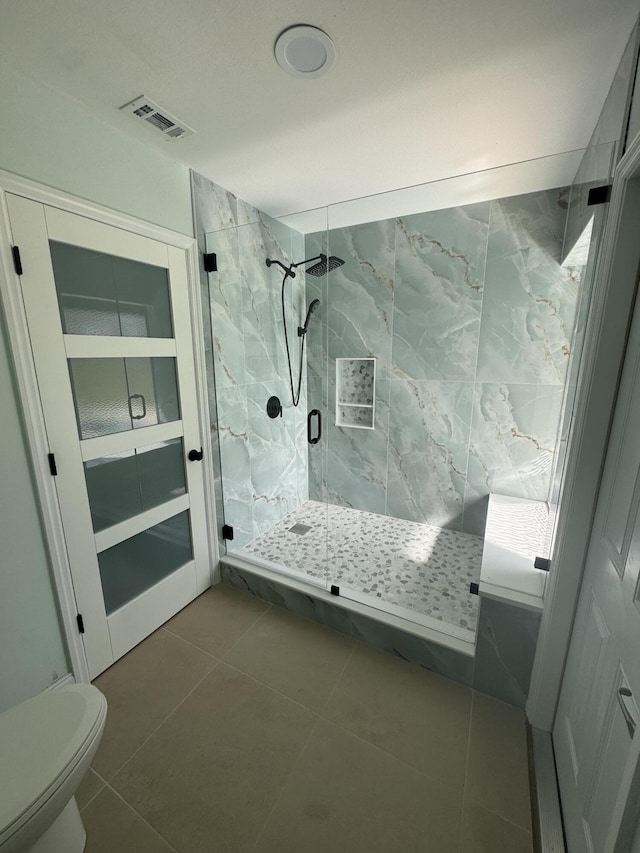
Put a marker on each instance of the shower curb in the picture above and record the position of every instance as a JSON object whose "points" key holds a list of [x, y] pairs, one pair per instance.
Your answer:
{"points": [[412, 643]]}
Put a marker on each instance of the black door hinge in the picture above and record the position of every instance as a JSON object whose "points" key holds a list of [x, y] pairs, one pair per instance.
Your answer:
{"points": [[210, 262], [599, 195], [474, 588], [542, 563], [80, 622], [52, 464], [335, 590], [227, 531], [17, 261]]}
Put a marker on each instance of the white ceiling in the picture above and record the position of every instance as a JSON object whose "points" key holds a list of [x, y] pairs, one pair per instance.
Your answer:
{"points": [[422, 89]]}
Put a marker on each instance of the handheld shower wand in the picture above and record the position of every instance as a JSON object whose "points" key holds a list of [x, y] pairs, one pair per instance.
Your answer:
{"points": [[302, 330]]}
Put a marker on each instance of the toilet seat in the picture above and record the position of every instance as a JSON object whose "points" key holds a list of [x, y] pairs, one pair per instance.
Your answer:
{"points": [[42, 743]]}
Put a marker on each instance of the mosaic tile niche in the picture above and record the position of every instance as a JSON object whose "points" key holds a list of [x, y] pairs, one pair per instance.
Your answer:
{"points": [[469, 316]]}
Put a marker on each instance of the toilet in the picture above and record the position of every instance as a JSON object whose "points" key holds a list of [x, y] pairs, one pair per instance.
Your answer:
{"points": [[46, 747]]}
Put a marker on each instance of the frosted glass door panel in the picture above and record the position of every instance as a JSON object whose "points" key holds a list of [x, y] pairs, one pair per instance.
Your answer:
{"points": [[153, 391], [130, 482], [135, 565], [118, 394], [100, 294]]}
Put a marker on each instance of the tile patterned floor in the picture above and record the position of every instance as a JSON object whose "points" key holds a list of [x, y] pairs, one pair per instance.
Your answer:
{"points": [[416, 566], [241, 728]]}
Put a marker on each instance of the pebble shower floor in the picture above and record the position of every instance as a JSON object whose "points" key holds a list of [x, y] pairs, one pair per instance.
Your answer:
{"points": [[415, 566]]}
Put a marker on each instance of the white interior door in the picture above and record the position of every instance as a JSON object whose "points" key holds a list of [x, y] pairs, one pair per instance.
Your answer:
{"points": [[109, 322], [595, 732]]}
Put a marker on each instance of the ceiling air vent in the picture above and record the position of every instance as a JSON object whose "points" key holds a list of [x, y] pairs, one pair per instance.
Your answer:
{"points": [[170, 126]]}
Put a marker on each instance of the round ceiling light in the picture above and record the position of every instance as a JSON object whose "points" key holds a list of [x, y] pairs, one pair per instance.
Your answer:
{"points": [[305, 51]]}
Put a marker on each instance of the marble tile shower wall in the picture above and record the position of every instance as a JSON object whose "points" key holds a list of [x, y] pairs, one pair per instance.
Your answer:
{"points": [[470, 317], [262, 461]]}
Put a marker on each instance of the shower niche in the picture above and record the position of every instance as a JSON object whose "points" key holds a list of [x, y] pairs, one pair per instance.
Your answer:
{"points": [[355, 392]]}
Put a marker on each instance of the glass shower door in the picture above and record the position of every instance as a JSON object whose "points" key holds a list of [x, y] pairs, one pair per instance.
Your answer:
{"points": [[270, 467]]}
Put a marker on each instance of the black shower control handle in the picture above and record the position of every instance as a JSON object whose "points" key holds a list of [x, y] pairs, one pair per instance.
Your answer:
{"points": [[195, 455], [314, 413]]}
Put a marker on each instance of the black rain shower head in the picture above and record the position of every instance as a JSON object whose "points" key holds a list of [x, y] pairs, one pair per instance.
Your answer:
{"points": [[302, 330], [325, 265]]}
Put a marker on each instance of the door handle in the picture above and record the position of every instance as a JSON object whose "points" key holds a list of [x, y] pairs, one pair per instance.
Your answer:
{"points": [[195, 455], [314, 413], [144, 407], [624, 693]]}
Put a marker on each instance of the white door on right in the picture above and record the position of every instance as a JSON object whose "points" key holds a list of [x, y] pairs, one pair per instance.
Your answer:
{"points": [[596, 736]]}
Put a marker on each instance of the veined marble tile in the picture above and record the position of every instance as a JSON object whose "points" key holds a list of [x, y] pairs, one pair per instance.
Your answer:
{"points": [[215, 208], [409, 647], [225, 298], [429, 438], [207, 335], [360, 293], [506, 646], [263, 463], [436, 658], [529, 301], [235, 461], [356, 459], [233, 434], [262, 321], [263, 332], [440, 264], [513, 437], [274, 480]]}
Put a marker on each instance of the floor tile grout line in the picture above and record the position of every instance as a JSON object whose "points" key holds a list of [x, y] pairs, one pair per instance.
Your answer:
{"points": [[430, 779], [295, 764], [466, 796], [164, 720], [466, 768], [253, 624], [270, 687], [508, 820], [339, 678], [99, 791], [142, 818], [101, 778], [321, 716], [159, 726], [189, 643]]}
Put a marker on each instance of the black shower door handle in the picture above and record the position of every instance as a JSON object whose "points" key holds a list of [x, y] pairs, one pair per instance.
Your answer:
{"points": [[133, 397], [316, 438]]}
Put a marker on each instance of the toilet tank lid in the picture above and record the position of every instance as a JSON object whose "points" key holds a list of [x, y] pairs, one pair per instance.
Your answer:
{"points": [[40, 739]]}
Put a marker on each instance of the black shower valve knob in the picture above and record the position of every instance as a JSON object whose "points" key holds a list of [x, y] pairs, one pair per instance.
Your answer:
{"points": [[274, 407]]}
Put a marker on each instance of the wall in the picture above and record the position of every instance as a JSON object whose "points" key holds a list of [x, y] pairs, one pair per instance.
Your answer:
{"points": [[470, 318], [263, 461], [586, 444], [32, 654], [83, 156], [54, 140]]}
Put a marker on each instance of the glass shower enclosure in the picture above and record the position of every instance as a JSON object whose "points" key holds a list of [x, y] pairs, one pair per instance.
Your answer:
{"points": [[442, 327]]}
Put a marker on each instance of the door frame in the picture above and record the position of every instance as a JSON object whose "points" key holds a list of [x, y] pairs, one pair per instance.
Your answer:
{"points": [[605, 344], [29, 398]]}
